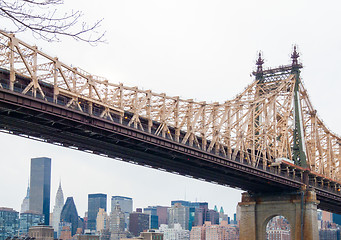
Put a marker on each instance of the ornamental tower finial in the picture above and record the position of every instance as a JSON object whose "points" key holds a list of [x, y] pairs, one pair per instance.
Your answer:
{"points": [[295, 55], [259, 63]]}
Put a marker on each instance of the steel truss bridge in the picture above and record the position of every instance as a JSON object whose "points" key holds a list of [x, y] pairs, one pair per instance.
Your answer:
{"points": [[247, 143]]}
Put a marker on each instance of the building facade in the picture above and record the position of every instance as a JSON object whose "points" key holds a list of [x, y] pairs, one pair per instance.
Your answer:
{"points": [[95, 202], [176, 233], [65, 231], [102, 220], [197, 212], [223, 231], [69, 215], [153, 217], [138, 222], [117, 223], [40, 186], [57, 209], [30, 219], [162, 213], [198, 233], [212, 216], [126, 204], [41, 233], [278, 228], [178, 214], [25, 206], [150, 235], [9, 223]]}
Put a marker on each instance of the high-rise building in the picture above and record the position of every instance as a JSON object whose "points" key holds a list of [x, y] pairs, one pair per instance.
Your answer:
{"points": [[57, 209], [29, 219], [40, 187], [222, 215], [9, 223], [126, 204], [25, 206], [138, 222], [117, 224], [102, 220], [197, 212], [69, 215], [162, 213], [212, 216], [153, 217], [178, 214], [95, 202]]}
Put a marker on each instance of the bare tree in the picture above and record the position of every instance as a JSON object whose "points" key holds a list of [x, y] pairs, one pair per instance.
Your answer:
{"points": [[46, 21]]}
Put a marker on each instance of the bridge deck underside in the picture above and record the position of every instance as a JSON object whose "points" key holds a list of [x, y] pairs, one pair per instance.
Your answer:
{"points": [[25, 115]]}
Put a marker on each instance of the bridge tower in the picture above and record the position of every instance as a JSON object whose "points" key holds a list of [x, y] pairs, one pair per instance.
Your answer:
{"points": [[299, 208], [299, 149]]}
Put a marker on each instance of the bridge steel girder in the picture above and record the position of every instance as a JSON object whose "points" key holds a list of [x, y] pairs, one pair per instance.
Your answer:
{"points": [[56, 124]]}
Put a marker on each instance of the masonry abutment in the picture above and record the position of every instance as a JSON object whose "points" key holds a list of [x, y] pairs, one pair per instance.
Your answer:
{"points": [[258, 209]]}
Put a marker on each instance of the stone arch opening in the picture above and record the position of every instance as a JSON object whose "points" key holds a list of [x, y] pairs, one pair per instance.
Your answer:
{"points": [[278, 227]]}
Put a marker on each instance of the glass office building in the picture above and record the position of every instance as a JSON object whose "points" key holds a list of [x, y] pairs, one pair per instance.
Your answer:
{"points": [[95, 202], [29, 219], [69, 215], [40, 187], [9, 223]]}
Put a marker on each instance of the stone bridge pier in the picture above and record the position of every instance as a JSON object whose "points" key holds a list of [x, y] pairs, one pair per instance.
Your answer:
{"points": [[299, 208]]}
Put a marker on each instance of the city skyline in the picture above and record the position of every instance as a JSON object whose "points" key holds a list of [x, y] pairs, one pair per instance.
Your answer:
{"points": [[82, 202], [195, 50]]}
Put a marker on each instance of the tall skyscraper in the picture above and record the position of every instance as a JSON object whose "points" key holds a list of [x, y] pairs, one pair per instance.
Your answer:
{"points": [[126, 204], [58, 207], [95, 202], [9, 223], [40, 186], [117, 223], [179, 214], [69, 215], [25, 206]]}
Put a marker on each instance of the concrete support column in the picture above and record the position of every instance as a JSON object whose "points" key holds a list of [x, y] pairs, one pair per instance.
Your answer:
{"points": [[258, 209]]}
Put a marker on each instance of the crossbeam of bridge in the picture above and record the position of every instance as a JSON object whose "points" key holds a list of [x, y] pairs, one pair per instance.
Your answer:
{"points": [[246, 143]]}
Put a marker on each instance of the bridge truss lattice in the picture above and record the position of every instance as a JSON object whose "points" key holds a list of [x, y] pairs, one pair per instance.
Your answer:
{"points": [[257, 126]]}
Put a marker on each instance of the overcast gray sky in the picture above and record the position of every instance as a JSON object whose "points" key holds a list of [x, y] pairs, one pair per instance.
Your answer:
{"points": [[203, 50]]}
